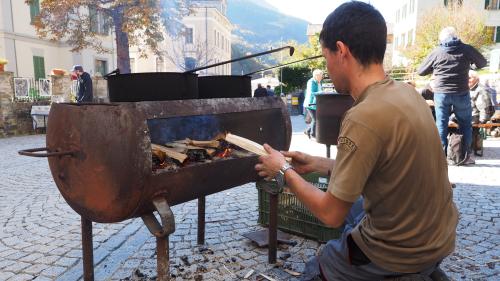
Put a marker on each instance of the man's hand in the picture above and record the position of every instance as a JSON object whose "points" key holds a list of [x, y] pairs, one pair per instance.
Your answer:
{"points": [[302, 163], [270, 164]]}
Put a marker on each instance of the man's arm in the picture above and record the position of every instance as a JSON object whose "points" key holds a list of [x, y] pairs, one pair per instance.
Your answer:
{"points": [[325, 206], [476, 57], [426, 66]]}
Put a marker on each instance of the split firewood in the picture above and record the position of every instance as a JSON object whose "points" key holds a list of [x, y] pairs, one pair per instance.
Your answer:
{"points": [[181, 157], [246, 144], [249, 273], [210, 143], [291, 272], [267, 277]]}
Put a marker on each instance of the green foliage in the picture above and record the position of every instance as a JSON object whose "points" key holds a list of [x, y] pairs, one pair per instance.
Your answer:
{"points": [[468, 20], [294, 78]]}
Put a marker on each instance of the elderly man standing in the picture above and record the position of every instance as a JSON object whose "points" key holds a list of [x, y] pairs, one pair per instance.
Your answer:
{"points": [[84, 85], [313, 88], [389, 182], [450, 63]]}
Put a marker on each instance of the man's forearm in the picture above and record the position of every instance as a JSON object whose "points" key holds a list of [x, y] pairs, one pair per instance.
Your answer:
{"points": [[323, 165]]}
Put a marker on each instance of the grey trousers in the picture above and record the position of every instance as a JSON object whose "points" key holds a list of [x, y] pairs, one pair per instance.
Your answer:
{"points": [[334, 258]]}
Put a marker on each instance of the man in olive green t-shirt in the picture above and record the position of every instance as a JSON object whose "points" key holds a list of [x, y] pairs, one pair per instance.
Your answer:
{"points": [[389, 183]]}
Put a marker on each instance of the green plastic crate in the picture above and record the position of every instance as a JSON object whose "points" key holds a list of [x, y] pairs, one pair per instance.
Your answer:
{"points": [[293, 216]]}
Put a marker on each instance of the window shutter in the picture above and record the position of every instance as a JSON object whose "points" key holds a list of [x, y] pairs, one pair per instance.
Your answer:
{"points": [[93, 19], [34, 9], [39, 67]]}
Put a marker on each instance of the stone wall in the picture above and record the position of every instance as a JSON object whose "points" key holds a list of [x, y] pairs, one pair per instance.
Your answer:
{"points": [[61, 89], [15, 116]]}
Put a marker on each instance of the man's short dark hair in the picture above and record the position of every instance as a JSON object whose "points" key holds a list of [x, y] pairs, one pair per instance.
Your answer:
{"points": [[361, 27]]}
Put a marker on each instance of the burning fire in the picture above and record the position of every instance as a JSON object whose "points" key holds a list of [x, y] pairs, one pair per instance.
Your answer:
{"points": [[225, 153]]}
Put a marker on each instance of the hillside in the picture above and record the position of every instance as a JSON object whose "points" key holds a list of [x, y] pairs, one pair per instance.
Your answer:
{"points": [[258, 26]]}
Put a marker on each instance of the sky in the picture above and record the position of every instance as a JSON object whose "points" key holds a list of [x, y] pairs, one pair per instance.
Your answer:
{"points": [[316, 11]]}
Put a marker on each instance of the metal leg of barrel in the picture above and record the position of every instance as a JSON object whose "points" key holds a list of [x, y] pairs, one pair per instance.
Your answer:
{"points": [[162, 258], [201, 220], [273, 227], [88, 250], [161, 232]]}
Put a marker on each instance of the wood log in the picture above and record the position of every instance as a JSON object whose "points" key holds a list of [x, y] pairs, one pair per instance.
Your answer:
{"points": [[210, 143], [181, 157], [246, 144], [249, 145]]}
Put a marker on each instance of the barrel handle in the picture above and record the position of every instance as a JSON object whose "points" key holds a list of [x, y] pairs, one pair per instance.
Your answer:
{"points": [[167, 226], [34, 152]]}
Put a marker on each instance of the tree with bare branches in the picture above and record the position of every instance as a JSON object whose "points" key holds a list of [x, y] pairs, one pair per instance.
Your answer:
{"points": [[141, 23], [189, 55]]}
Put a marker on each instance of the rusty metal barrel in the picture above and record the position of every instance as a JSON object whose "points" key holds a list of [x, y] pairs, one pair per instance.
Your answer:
{"points": [[330, 109], [101, 160]]}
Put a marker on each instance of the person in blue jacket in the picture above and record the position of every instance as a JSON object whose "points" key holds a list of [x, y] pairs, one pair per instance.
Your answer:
{"points": [[313, 88]]}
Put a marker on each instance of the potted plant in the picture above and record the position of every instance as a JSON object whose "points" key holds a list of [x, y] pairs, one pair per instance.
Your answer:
{"points": [[2, 63]]}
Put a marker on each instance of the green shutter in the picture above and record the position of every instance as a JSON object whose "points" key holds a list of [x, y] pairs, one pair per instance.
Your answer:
{"points": [[93, 19], [34, 9], [39, 66]]}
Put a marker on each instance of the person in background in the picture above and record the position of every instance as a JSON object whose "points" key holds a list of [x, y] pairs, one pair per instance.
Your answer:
{"points": [[260, 91], [450, 63], [84, 92], [313, 88], [389, 186], [482, 106], [270, 92]]}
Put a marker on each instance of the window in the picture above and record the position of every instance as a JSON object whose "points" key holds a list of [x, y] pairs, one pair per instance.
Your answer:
{"points": [[101, 67], [34, 10], [451, 2], [99, 22], [189, 35], [132, 65], [397, 16], [403, 12], [497, 34], [410, 37], [491, 4], [412, 6], [189, 63], [39, 67], [160, 64]]}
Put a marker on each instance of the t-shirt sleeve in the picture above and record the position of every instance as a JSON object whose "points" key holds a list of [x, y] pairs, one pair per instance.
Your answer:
{"points": [[358, 151]]}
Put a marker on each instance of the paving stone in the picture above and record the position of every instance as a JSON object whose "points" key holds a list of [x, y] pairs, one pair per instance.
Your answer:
{"points": [[39, 230]]}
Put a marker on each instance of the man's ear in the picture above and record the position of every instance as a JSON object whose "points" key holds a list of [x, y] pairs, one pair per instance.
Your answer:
{"points": [[342, 49]]}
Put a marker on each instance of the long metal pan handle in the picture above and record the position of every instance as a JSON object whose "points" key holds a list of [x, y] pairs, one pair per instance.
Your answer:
{"points": [[291, 51], [285, 64], [35, 152]]}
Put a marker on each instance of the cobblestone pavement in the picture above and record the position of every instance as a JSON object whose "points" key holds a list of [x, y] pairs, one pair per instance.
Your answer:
{"points": [[40, 233]]}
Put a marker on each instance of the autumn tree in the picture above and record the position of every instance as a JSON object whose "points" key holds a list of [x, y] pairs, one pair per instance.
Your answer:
{"points": [[140, 23], [467, 19]]}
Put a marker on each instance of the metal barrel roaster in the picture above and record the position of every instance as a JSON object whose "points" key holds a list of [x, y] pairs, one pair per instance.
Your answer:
{"points": [[109, 178], [330, 109], [100, 156]]}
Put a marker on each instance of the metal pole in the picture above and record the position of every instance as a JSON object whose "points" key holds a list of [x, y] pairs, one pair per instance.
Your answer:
{"points": [[88, 250], [201, 220], [162, 259], [327, 151], [273, 227]]}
